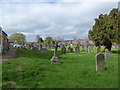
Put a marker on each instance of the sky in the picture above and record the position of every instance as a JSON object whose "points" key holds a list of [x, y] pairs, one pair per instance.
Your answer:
{"points": [[67, 19]]}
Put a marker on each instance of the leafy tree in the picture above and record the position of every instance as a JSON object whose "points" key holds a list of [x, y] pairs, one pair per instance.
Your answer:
{"points": [[39, 39], [19, 37], [105, 30], [49, 41]]}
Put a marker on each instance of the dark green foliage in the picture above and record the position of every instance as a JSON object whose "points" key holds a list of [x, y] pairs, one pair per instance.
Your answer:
{"points": [[105, 30], [49, 41], [39, 39]]}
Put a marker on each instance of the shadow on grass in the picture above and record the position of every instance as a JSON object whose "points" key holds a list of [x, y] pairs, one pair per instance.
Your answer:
{"points": [[116, 52], [36, 54], [33, 54]]}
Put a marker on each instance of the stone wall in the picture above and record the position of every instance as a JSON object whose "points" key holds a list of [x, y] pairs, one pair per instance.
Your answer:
{"points": [[4, 44]]}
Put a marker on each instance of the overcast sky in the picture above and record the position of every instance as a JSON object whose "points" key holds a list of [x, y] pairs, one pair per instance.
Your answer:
{"points": [[57, 18]]}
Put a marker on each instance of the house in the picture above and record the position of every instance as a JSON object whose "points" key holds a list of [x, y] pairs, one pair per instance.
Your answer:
{"points": [[12, 42], [83, 42], [4, 44]]}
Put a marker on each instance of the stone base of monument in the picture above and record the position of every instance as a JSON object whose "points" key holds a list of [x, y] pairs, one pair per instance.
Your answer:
{"points": [[54, 60]]}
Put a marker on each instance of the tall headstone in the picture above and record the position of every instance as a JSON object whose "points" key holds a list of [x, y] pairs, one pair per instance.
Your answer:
{"points": [[82, 48], [107, 54], [31, 47], [70, 49], [100, 59], [63, 50], [40, 47], [55, 59], [77, 49], [98, 49], [88, 49], [92, 47]]}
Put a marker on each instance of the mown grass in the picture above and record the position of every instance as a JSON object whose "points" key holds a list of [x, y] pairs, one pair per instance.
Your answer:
{"points": [[34, 70]]}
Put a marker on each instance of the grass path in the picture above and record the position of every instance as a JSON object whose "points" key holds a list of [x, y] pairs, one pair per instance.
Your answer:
{"points": [[33, 70]]}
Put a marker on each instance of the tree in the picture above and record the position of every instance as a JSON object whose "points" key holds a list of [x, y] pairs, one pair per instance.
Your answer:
{"points": [[19, 37], [49, 41], [39, 39], [105, 30]]}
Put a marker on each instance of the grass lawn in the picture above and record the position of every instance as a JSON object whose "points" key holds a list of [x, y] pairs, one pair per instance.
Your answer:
{"points": [[33, 70]]}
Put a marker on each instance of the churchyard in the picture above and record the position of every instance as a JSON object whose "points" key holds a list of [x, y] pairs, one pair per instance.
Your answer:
{"points": [[57, 45], [72, 69]]}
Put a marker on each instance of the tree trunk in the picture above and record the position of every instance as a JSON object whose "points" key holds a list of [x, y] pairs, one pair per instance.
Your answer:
{"points": [[108, 46]]}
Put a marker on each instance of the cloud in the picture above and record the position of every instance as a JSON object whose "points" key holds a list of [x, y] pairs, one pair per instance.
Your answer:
{"points": [[61, 19]]}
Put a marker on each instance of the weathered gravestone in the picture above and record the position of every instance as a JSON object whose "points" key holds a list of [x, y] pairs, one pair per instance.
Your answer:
{"points": [[29, 46], [40, 47], [88, 49], [77, 49], [55, 59], [63, 50], [92, 47], [98, 50], [23, 47], [43, 51], [34, 48], [107, 54], [82, 48], [100, 59], [70, 49]]}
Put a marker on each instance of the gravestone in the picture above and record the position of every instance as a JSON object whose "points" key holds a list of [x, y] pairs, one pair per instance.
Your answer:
{"points": [[100, 59], [70, 49], [98, 50], [92, 47], [82, 48], [107, 54], [63, 50], [34, 48], [27, 46], [24, 47], [88, 49], [55, 59], [43, 51], [77, 49], [40, 47], [31, 47]]}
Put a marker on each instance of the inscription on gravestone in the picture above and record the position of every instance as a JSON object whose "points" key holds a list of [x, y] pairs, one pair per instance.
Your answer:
{"points": [[100, 59]]}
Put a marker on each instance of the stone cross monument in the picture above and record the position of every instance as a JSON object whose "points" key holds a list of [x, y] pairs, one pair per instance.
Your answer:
{"points": [[55, 59]]}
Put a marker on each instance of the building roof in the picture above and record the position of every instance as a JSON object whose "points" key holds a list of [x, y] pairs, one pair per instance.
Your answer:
{"points": [[3, 31], [12, 40]]}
